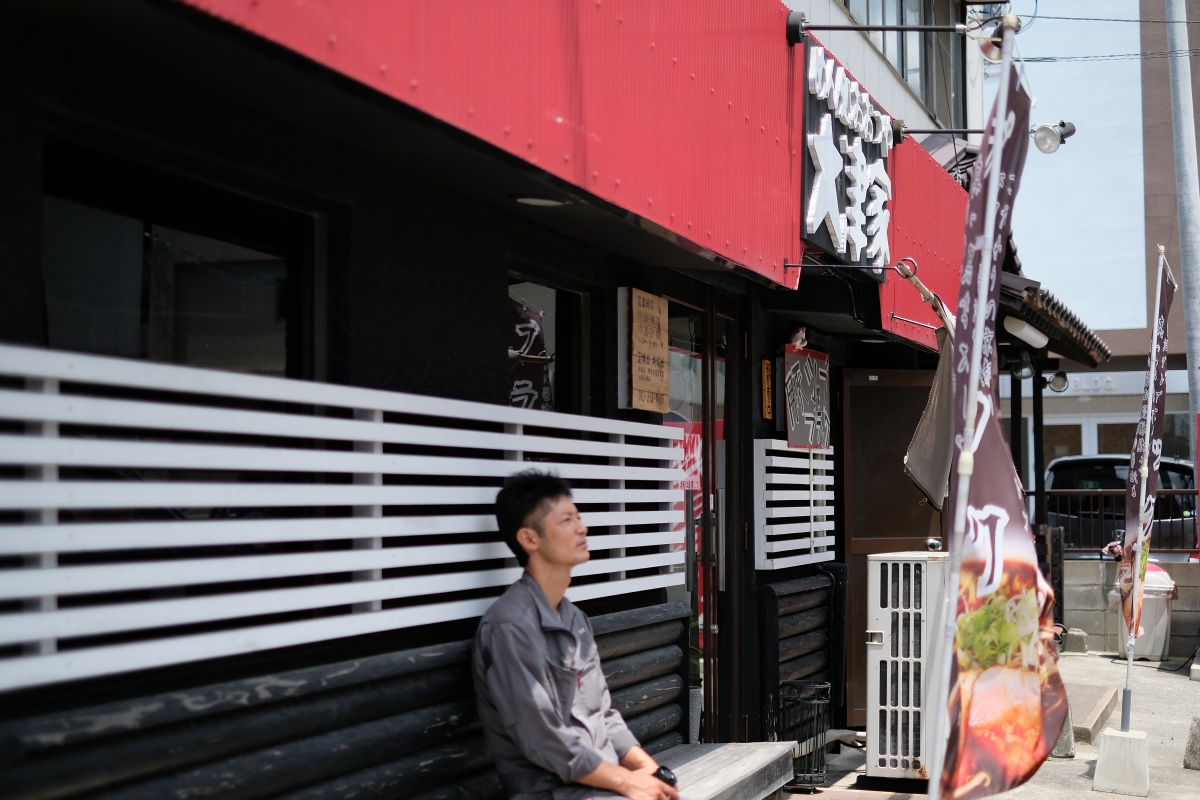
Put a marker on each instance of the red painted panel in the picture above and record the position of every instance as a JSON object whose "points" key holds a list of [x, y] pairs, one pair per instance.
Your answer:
{"points": [[681, 111], [685, 112], [928, 222]]}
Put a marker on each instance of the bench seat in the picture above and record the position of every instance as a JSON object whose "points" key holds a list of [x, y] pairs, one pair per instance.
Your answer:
{"points": [[735, 771]]}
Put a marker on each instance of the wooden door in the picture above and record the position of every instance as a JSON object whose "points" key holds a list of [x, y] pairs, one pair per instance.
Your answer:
{"points": [[885, 512]]}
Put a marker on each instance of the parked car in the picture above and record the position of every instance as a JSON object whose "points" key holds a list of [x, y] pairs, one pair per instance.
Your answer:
{"points": [[1085, 495]]}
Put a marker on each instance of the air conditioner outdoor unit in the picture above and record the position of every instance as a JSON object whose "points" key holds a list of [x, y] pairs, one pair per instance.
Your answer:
{"points": [[902, 589]]}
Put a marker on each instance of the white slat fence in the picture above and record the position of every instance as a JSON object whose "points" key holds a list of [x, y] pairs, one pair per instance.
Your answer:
{"points": [[794, 499], [154, 514]]}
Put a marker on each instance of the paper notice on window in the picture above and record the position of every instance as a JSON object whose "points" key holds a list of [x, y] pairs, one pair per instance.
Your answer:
{"points": [[648, 352]]}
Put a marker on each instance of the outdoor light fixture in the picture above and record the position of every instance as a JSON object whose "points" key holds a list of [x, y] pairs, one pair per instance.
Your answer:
{"points": [[1023, 369], [540, 202], [1048, 138], [1026, 333], [989, 42], [1058, 382]]}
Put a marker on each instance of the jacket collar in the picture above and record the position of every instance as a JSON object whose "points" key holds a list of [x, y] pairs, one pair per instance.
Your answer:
{"points": [[549, 618]]}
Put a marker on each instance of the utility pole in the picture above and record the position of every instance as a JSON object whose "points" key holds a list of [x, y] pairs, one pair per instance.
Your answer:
{"points": [[1187, 187]]}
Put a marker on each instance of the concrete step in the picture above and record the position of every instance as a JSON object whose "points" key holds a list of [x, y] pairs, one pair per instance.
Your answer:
{"points": [[1091, 707]]}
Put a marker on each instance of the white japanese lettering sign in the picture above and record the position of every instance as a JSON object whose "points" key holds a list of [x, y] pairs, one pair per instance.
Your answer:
{"points": [[847, 192], [806, 390]]}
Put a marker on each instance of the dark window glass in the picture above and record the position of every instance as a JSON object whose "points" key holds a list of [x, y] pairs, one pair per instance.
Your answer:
{"points": [[140, 263]]}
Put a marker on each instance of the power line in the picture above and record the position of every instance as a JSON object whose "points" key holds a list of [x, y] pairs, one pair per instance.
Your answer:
{"points": [[1111, 19], [1112, 57]]}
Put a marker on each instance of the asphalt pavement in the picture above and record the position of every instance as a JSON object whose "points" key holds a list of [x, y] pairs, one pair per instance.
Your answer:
{"points": [[1165, 701]]}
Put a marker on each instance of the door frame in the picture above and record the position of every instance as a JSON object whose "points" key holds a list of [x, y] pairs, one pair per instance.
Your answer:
{"points": [[858, 547], [722, 668]]}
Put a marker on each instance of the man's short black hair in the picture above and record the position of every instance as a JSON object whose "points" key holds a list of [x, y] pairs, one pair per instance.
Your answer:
{"points": [[521, 503]]}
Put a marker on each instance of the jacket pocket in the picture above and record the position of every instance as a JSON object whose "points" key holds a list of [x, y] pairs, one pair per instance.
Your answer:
{"points": [[565, 681]]}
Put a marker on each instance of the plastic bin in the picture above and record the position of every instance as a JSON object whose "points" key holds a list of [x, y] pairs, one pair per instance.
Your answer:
{"points": [[1158, 597], [804, 718]]}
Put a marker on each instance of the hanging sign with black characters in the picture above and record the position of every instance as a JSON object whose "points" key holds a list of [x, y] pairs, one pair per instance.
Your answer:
{"points": [[846, 191]]}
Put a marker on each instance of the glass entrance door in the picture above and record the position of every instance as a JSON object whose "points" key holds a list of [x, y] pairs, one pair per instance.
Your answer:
{"points": [[700, 404]]}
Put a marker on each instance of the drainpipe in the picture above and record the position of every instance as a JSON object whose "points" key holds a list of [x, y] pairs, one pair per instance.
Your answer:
{"points": [[1039, 449], [1016, 443]]}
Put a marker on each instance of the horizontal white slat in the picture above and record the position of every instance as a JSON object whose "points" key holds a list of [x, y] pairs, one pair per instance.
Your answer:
{"points": [[799, 527], [17, 495], [68, 409], [780, 446], [42, 670], [18, 583], [107, 371], [804, 512], [23, 583], [174, 455], [786, 545], [801, 495], [72, 665], [796, 561], [797, 479], [603, 566], [65, 624], [90, 621], [794, 462], [593, 590], [93, 537], [627, 540]]}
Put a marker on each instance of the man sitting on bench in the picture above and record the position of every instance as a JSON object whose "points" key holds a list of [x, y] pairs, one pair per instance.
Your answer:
{"points": [[546, 713]]}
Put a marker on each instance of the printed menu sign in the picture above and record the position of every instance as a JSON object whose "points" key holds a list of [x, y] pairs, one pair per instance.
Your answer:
{"points": [[648, 356]]}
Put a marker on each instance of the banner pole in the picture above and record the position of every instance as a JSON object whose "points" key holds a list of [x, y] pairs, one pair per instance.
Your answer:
{"points": [[944, 644], [1139, 542]]}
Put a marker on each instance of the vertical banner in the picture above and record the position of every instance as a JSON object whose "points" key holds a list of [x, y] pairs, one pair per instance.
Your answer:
{"points": [[1147, 447], [650, 381], [806, 390], [1007, 701]]}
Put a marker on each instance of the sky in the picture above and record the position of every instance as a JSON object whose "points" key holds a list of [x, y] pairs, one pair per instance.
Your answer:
{"points": [[1078, 222]]}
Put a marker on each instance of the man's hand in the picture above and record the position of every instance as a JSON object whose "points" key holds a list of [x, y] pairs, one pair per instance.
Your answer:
{"points": [[634, 784], [644, 786]]}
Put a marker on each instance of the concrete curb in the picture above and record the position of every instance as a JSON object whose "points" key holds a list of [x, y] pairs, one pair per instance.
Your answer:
{"points": [[1191, 756], [1065, 746]]}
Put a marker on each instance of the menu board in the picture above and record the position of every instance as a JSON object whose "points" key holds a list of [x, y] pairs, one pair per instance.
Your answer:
{"points": [[648, 351], [806, 389]]}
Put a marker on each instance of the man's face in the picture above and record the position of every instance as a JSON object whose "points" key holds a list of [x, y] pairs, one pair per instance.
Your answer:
{"points": [[561, 536]]}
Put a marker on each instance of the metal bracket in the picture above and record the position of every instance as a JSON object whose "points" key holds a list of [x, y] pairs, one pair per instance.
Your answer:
{"points": [[900, 267], [914, 322]]}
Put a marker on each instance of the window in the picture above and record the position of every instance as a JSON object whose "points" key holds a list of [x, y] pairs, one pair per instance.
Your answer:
{"points": [[1062, 440], [931, 63], [142, 264], [548, 360]]}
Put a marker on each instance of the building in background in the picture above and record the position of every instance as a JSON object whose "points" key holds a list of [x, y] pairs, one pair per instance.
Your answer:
{"points": [[1093, 214]]}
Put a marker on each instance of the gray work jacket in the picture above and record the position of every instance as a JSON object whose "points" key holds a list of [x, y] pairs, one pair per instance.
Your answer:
{"points": [[546, 712]]}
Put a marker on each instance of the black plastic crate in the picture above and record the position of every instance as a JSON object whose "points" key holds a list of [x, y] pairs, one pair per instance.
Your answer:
{"points": [[804, 718]]}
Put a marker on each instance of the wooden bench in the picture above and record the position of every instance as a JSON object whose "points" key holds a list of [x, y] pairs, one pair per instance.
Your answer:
{"points": [[395, 725], [731, 771]]}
